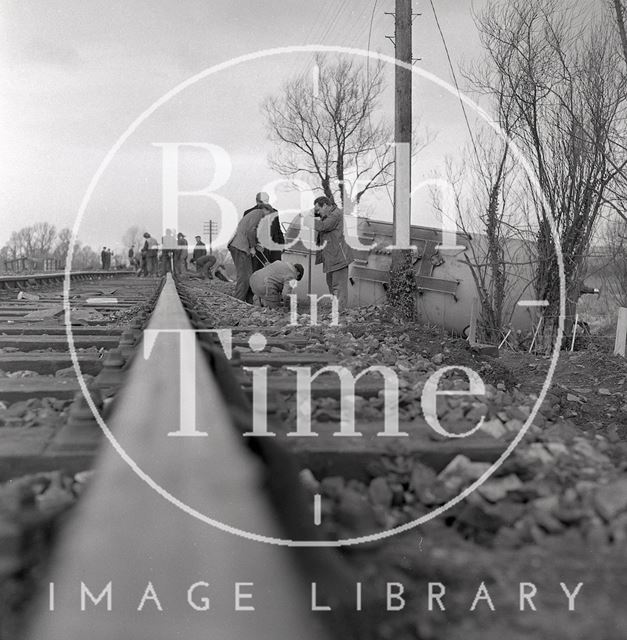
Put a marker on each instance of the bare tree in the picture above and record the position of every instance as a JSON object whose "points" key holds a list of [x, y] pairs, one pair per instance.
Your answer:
{"points": [[133, 237], [62, 247], [556, 77], [483, 184], [44, 235], [85, 258], [619, 12], [21, 243], [616, 197], [614, 271], [330, 135], [35, 240]]}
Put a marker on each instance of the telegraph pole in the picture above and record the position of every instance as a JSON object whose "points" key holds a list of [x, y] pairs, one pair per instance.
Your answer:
{"points": [[209, 228], [402, 123]]}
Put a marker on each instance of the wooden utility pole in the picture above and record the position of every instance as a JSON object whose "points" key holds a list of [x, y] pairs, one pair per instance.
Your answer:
{"points": [[208, 230], [402, 123]]}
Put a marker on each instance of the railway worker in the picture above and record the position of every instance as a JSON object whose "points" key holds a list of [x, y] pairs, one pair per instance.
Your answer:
{"points": [[131, 258], [334, 254], [204, 265], [243, 246], [180, 255], [103, 258], [168, 246], [141, 267], [275, 233], [219, 271], [150, 251], [200, 250], [275, 282]]}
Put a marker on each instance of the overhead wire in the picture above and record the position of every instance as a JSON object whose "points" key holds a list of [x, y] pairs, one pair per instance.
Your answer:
{"points": [[374, 7], [313, 37], [323, 35], [454, 76], [336, 20], [357, 28], [324, 31]]}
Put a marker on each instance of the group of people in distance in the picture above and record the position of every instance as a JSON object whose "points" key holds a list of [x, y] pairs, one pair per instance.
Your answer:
{"points": [[260, 271], [173, 256], [256, 251], [105, 258]]}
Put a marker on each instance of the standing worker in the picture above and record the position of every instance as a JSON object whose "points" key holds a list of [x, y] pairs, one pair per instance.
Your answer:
{"points": [[168, 246], [334, 254], [243, 246], [201, 260], [150, 251], [180, 255], [200, 250], [273, 282], [274, 233]]}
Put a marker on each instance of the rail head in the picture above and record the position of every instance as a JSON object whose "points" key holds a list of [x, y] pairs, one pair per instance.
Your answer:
{"points": [[132, 538]]}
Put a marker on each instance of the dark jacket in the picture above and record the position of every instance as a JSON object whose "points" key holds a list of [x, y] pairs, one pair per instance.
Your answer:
{"points": [[334, 253], [245, 237], [181, 248], [200, 250], [276, 234]]}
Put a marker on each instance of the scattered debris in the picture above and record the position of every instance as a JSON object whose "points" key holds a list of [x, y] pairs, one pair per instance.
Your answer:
{"points": [[23, 295], [44, 314], [101, 301]]}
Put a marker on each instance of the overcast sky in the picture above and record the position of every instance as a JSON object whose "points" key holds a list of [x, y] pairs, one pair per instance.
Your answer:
{"points": [[76, 74]]}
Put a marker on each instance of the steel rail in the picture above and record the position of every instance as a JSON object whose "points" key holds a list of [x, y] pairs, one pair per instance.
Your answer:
{"points": [[29, 279], [126, 537]]}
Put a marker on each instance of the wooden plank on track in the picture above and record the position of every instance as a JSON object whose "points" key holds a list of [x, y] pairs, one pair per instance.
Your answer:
{"points": [[15, 389], [49, 363], [273, 341], [287, 386], [56, 343], [57, 330], [6, 312], [280, 359], [128, 535]]}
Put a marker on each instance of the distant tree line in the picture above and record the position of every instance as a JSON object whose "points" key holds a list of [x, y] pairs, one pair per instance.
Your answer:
{"points": [[41, 241]]}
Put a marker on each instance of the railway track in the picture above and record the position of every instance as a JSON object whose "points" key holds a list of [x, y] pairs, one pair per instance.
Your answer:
{"points": [[38, 384], [207, 497]]}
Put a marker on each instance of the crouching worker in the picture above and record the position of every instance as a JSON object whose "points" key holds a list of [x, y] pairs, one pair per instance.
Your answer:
{"points": [[204, 264], [273, 282]]}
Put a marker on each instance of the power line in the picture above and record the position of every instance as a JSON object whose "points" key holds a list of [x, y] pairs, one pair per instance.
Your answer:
{"points": [[357, 28], [298, 68], [327, 29], [374, 8], [454, 76], [337, 20], [317, 27]]}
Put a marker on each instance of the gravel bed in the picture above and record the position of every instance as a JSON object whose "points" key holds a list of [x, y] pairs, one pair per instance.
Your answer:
{"points": [[33, 509], [561, 496]]}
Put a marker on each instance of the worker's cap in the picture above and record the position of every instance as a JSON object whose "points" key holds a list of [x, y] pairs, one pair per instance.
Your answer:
{"points": [[198, 238], [180, 235], [262, 196]]}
